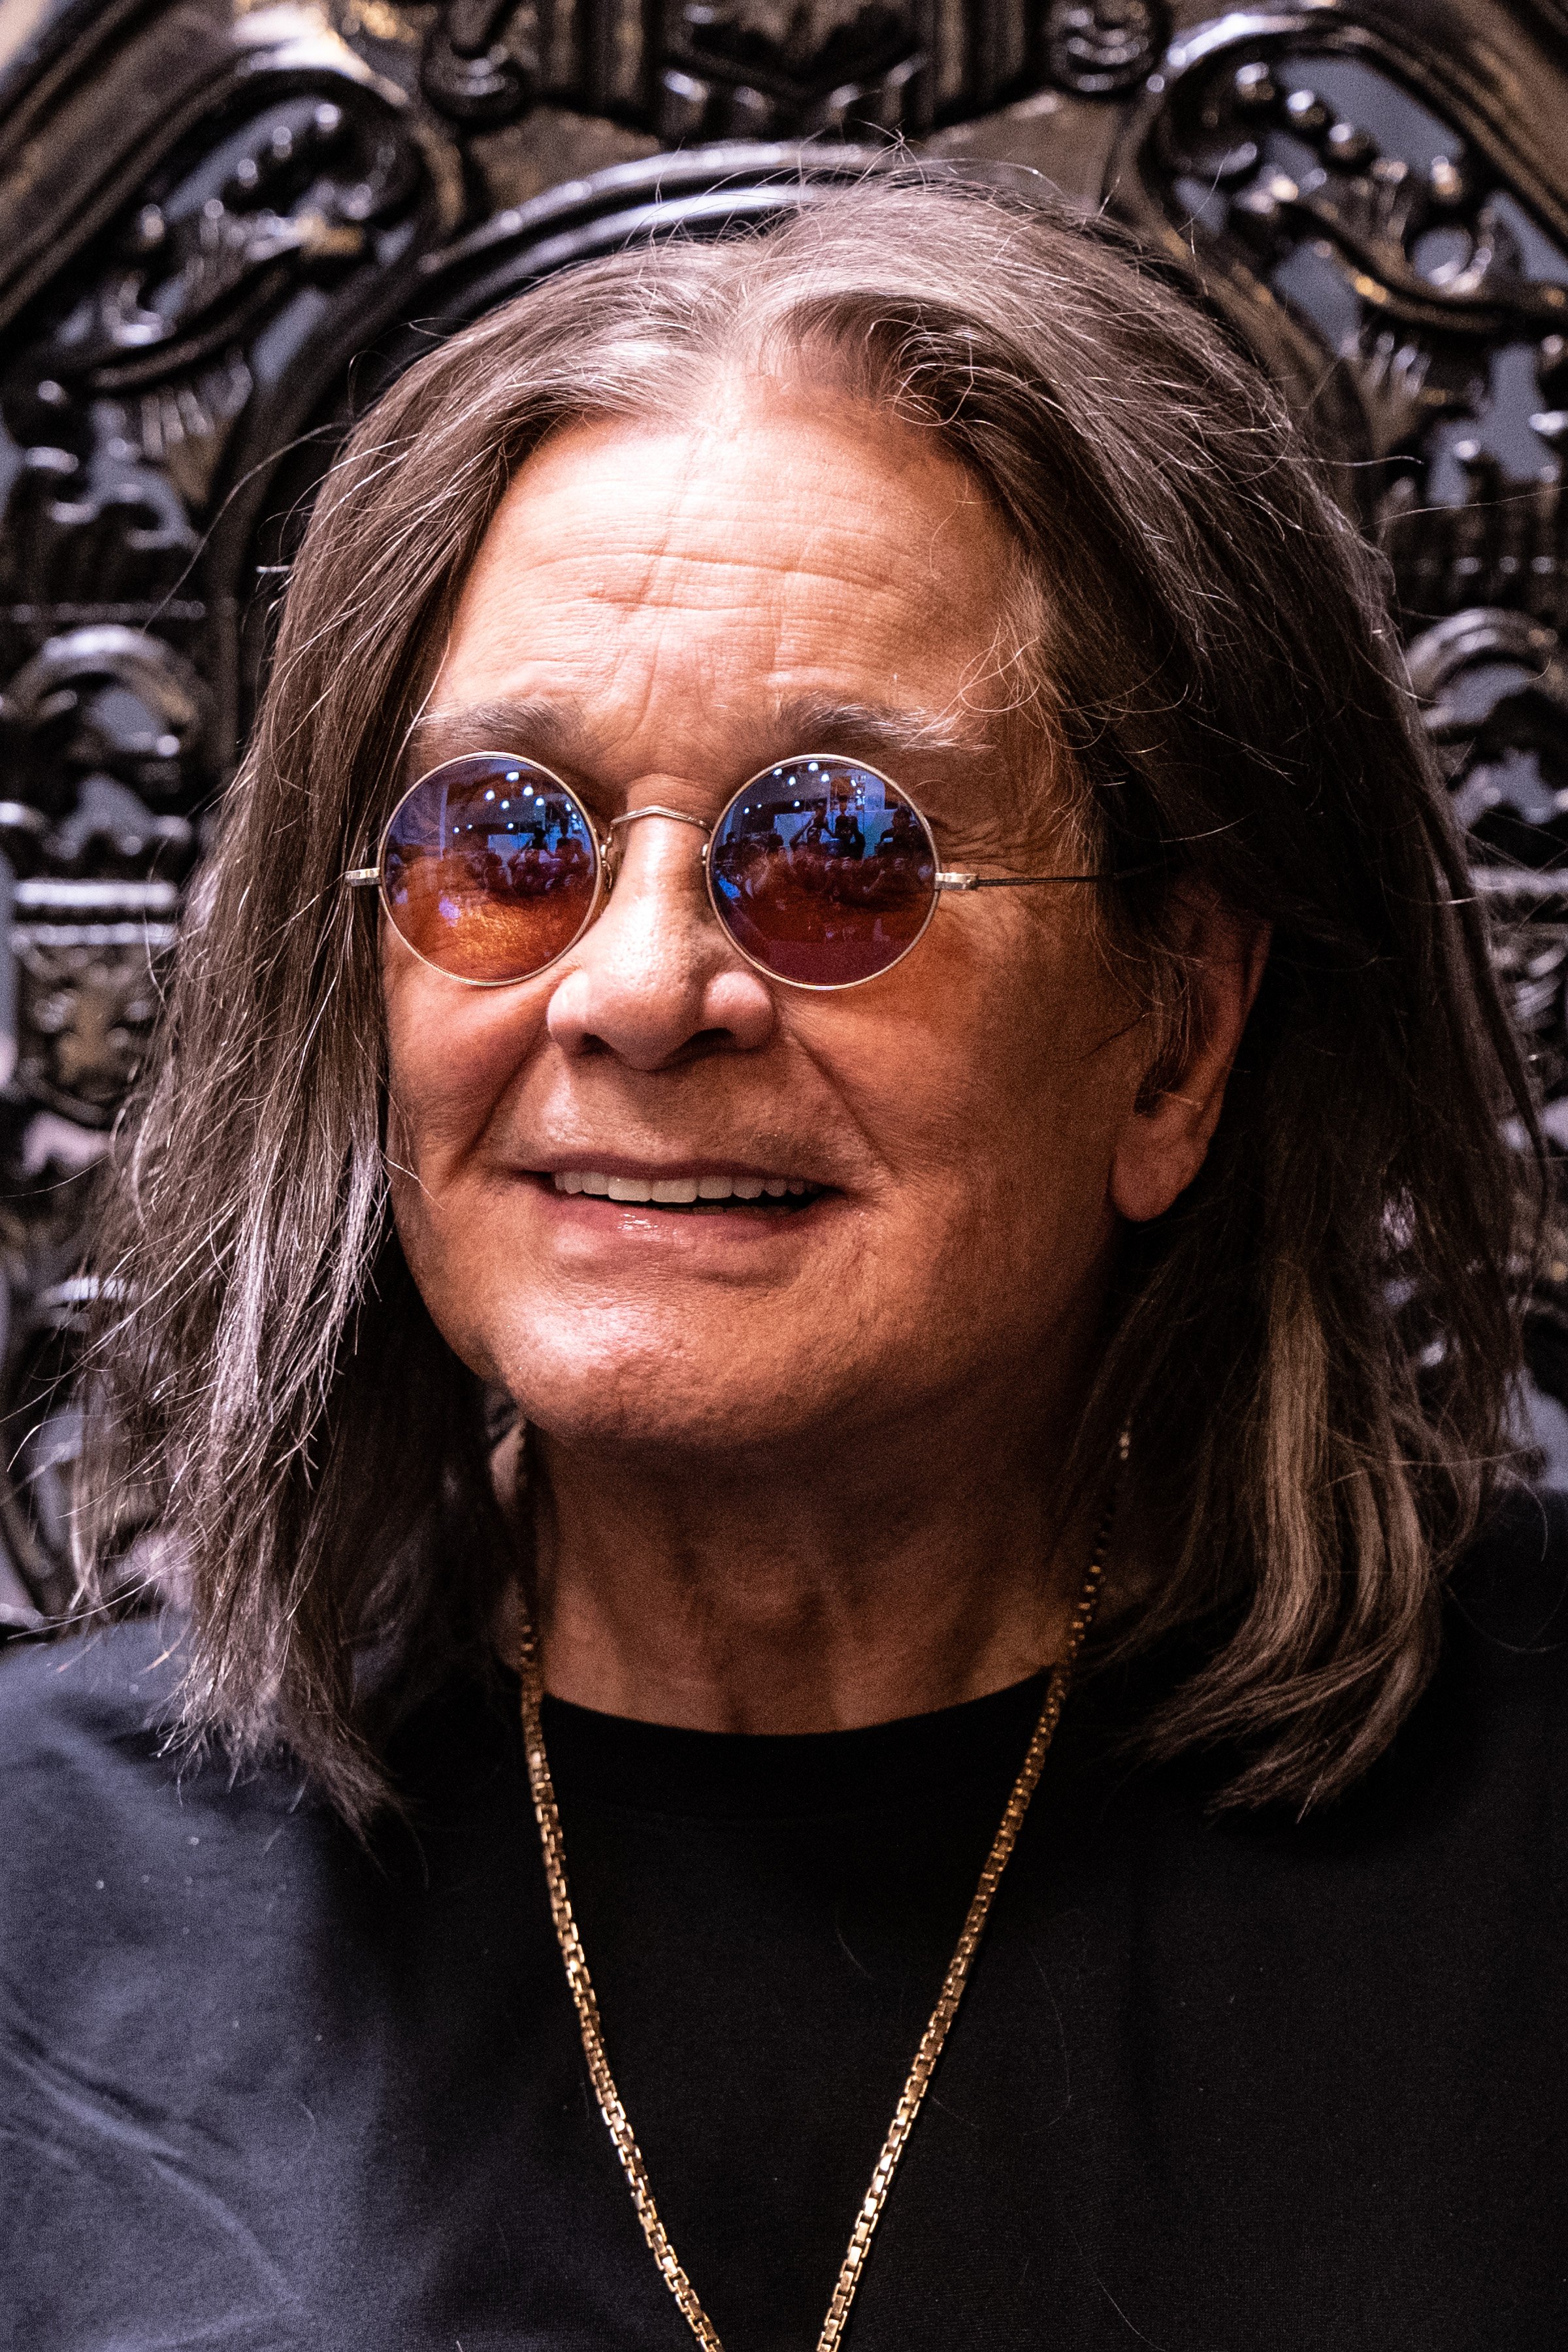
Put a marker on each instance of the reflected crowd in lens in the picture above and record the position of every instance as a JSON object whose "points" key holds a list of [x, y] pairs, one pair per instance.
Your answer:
{"points": [[490, 869], [823, 874]]}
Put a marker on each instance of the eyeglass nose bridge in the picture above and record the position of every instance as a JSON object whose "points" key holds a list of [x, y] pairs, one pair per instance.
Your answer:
{"points": [[657, 808], [654, 808]]}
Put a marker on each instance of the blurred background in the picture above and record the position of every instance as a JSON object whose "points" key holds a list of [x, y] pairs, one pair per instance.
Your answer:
{"points": [[224, 227]]}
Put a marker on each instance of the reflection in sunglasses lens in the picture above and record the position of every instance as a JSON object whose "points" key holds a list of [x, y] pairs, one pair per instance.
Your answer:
{"points": [[490, 869], [823, 871]]}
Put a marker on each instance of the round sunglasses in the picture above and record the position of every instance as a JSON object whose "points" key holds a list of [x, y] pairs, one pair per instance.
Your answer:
{"points": [[822, 871]]}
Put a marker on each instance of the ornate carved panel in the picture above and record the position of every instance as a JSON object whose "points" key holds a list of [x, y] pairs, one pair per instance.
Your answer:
{"points": [[209, 209]]}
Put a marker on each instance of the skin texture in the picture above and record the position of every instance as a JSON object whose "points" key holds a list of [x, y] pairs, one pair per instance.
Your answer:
{"points": [[796, 1471]]}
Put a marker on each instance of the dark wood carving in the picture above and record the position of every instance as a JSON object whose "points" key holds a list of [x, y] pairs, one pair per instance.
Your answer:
{"points": [[207, 211]]}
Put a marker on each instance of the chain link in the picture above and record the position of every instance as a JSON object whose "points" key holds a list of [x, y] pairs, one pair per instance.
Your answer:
{"points": [[581, 1984]]}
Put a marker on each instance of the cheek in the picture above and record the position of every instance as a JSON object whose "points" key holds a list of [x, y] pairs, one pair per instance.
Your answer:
{"points": [[991, 1102], [995, 1081], [452, 1055]]}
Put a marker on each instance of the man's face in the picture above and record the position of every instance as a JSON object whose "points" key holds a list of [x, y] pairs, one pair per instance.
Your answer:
{"points": [[657, 612]]}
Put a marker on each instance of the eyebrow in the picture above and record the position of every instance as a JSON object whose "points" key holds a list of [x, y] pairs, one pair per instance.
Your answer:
{"points": [[543, 729], [560, 731], [816, 720]]}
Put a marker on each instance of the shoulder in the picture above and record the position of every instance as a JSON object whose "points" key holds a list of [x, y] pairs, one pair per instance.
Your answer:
{"points": [[1498, 1706], [93, 1773], [1507, 1600], [1479, 1768], [1486, 1740], [83, 1736], [141, 1891], [67, 1706], [89, 1805], [89, 1774], [1495, 1720]]}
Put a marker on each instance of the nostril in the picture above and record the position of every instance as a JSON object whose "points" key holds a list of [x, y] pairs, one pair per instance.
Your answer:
{"points": [[587, 1044], [705, 1042]]}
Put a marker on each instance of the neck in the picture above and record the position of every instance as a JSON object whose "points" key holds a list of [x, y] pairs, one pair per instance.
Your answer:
{"points": [[850, 1585]]}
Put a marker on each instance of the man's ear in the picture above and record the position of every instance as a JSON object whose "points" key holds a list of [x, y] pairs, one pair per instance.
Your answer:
{"points": [[1166, 1136]]}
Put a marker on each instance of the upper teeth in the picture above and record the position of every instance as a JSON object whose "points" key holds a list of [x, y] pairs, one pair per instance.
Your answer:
{"points": [[675, 1191]]}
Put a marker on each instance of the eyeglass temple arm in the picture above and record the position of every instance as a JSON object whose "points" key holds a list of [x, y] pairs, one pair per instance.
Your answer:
{"points": [[1032, 881]]}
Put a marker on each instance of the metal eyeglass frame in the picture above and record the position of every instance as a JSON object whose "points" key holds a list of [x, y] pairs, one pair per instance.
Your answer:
{"points": [[373, 877]]}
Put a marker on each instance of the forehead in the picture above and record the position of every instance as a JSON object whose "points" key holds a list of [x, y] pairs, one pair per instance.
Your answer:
{"points": [[692, 581]]}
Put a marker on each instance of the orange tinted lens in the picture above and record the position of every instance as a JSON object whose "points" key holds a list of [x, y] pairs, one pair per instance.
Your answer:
{"points": [[823, 871], [488, 868]]}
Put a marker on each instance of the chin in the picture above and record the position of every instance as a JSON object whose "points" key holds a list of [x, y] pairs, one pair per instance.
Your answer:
{"points": [[670, 1396], [641, 1417]]}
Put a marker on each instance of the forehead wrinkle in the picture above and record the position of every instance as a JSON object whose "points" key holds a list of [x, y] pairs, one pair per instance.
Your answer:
{"points": [[677, 562], [697, 581]]}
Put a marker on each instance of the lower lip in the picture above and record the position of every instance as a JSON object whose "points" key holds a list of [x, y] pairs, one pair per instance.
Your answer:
{"points": [[641, 1223]]}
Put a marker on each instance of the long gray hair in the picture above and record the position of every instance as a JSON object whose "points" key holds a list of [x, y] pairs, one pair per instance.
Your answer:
{"points": [[1314, 1348]]}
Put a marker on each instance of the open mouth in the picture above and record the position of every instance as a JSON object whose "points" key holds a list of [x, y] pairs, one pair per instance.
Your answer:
{"points": [[691, 1196]]}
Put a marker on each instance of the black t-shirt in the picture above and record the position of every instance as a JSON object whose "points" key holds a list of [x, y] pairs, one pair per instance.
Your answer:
{"points": [[1218, 2084]]}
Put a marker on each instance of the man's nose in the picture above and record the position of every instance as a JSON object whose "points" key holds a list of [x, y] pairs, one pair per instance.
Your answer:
{"points": [[656, 980]]}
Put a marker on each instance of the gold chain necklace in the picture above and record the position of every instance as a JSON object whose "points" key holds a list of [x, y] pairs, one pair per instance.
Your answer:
{"points": [[581, 1983]]}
